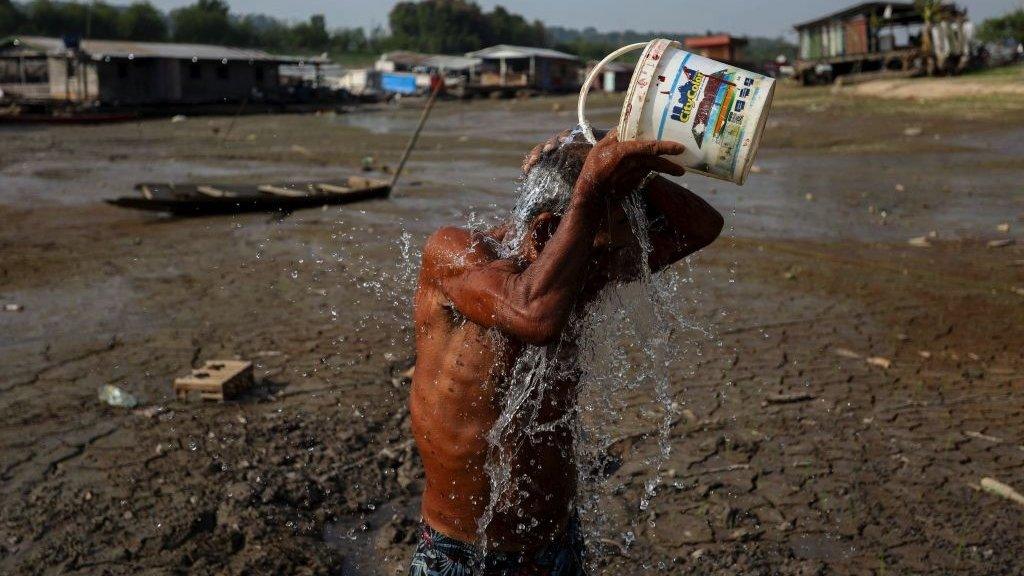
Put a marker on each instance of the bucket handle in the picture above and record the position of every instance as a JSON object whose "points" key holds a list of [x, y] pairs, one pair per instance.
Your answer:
{"points": [[588, 132]]}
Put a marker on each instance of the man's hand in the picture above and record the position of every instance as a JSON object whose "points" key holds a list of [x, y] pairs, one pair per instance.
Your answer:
{"points": [[616, 168], [549, 146]]}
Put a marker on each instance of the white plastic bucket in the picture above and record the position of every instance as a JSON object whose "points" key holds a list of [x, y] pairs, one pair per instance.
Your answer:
{"points": [[717, 111]]}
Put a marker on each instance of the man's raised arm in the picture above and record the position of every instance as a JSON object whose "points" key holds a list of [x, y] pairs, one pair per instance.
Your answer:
{"points": [[534, 304], [689, 223]]}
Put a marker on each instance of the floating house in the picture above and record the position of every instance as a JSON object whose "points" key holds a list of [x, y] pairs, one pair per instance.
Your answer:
{"points": [[615, 76], [721, 47], [138, 73], [879, 37], [509, 67]]}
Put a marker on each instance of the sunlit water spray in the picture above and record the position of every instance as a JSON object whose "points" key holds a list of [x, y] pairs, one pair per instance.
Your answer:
{"points": [[623, 351], [624, 348]]}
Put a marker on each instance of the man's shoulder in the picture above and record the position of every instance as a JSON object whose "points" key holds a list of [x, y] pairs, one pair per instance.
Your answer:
{"points": [[451, 249]]}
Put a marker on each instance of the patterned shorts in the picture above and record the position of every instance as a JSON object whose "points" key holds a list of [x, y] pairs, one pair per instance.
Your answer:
{"points": [[439, 555]]}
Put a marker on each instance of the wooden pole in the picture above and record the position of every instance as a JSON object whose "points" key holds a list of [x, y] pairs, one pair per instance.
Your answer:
{"points": [[436, 89]]}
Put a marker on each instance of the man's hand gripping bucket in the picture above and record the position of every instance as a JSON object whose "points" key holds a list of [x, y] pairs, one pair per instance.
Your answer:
{"points": [[716, 110]]}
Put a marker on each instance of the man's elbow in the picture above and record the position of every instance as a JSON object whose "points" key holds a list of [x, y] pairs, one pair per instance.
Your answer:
{"points": [[540, 326], [716, 223], [711, 229]]}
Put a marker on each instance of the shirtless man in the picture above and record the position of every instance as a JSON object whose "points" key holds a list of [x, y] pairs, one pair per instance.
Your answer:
{"points": [[483, 298]]}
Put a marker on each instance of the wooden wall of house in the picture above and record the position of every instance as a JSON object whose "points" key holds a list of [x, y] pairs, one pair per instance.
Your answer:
{"points": [[74, 80]]}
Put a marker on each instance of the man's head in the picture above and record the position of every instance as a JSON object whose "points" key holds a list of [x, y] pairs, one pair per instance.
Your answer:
{"points": [[543, 196]]}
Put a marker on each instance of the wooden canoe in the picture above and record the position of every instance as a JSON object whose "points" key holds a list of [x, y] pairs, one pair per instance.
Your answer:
{"points": [[211, 199]]}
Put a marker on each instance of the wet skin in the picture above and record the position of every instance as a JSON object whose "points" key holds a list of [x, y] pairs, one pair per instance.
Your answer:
{"points": [[475, 313]]}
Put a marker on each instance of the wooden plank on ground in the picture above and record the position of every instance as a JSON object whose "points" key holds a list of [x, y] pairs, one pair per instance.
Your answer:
{"points": [[216, 380]]}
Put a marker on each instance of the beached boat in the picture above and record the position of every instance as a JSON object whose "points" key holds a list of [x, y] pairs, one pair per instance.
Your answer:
{"points": [[209, 199]]}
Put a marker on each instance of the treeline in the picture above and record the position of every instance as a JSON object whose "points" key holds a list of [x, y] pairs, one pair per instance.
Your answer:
{"points": [[205, 21], [442, 26], [590, 43], [437, 26], [1008, 27]]}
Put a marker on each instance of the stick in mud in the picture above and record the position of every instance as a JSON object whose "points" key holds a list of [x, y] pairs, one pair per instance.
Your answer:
{"points": [[416, 135]]}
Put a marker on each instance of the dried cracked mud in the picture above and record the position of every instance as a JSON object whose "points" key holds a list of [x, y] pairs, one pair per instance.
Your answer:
{"points": [[854, 390]]}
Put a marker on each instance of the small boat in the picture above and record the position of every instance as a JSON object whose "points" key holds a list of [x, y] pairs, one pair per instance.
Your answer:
{"points": [[211, 199]]}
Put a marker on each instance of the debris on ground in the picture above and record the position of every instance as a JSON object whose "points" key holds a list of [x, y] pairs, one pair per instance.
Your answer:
{"points": [[901, 188], [1004, 227], [993, 486], [912, 131], [13, 308], [1001, 243], [114, 396], [920, 242], [216, 380], [985, 437], [790, 398], [178, 119], [880, 362], [847, 353]]}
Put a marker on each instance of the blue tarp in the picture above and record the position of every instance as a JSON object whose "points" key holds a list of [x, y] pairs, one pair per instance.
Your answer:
{"points": [[397, 82]]}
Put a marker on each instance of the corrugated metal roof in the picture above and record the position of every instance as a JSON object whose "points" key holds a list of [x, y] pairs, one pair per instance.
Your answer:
{"points": [[902, 13], [509, 51], [413, 59], [451, 62], [99, 49]]}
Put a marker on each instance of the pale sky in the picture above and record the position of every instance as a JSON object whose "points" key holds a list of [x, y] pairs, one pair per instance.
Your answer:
{"points": [[760, 18]]}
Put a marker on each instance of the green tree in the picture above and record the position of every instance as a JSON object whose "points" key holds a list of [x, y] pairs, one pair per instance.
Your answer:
{"points": [[141, 21], [312, 35], [205, 21], [1010, 26], [93, 20], [445, 26], [11, 18]]}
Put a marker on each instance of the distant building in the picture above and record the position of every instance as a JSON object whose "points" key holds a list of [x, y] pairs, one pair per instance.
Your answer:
{"points": [[720, 47], [615, 76], [523, 67], [879, 37], [137, 73], [403, 72]]}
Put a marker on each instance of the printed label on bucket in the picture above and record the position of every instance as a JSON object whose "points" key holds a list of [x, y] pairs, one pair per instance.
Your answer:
{"points": [[710, 107]]}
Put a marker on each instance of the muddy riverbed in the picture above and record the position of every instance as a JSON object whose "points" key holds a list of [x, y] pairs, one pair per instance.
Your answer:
{"points": [[837, 418]]}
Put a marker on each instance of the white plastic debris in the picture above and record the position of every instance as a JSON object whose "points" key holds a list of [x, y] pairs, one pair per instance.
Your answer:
{"points": [[13, 307], [116, 397], [178, 119], [993, 486], [880, 362]]}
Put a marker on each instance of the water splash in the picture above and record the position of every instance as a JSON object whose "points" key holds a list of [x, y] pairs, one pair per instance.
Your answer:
{"points": [[623, 350]]}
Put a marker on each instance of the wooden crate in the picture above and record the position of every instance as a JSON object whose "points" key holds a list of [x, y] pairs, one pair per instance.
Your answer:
{"points": [[217, 380]]}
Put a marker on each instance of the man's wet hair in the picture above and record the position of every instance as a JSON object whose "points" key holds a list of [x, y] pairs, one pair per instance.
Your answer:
{"points": [[547, 188]]}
